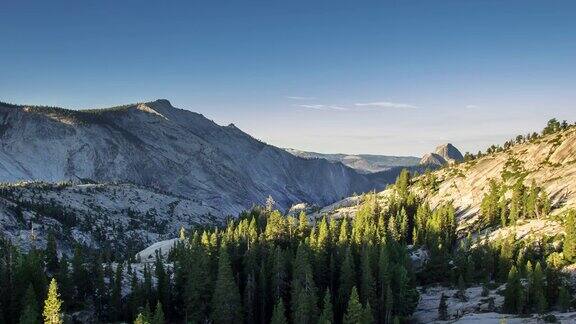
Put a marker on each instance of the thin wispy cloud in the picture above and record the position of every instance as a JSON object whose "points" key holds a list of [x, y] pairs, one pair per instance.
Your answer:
{"points": [[385, 104], [300, 98], [471, 106], [359, 107], [324, 107]]}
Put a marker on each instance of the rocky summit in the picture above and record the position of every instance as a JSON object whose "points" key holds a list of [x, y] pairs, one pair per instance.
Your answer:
{"points": [[442, 155]]}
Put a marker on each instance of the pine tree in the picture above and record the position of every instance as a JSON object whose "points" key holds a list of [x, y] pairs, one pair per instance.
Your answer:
{"points": [[537, 289], [275, 227], [343, 234], [182, 234], [367, 316], [570, 237], [158, 315], [30, 313], [393, 229], [321, 252], [279, 274], [347, 278], [564, 299], [443, 308], [354, 312], [100, 291], [80, 276], [249, 301], [116, 301], [544, 203], [402, 184], [279, 313], [303, 225], [136, 298], [65, 281], [327, 315], [485, 289], [141, 319], [461, 289], [52, 305], [383, 282], [367, 284], [197, 293], [389, 305], [162, 281], [51, 254], [303, 289], [262, 292], [513, 295], [226, 302]]}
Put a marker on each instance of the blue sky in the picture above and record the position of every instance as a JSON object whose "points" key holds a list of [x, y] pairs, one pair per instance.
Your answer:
{"points": [[384, 77]]}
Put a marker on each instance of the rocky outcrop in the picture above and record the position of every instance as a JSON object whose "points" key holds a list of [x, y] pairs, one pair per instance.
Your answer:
{"points": [[442, 155], [449, 152], [433, 159]]}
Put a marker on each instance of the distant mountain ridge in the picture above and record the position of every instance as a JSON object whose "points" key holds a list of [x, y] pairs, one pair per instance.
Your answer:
{"points": [[156, 145], [365, 163]]}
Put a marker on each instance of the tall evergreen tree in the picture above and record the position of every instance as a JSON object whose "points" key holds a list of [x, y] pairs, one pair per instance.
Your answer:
{"points": [[226, 302], [367, 284], [30, 314], [80, 276], [141, 319], [51, 254], [368, 316], [570, 237], [198, 285], [64, 280], [443, 308], [389, 305], [513, 296], [158, 315], [564, 299], [327, 315], [279, 274], [461, 289], [116, 301], [162, 281], [537, 289], [279, 313], [354, 312], [303, 289], [52, 305], [347, 280]]}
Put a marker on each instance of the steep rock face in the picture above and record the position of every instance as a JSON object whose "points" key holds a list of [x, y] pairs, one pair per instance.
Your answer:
{"points": [[449, 152], [433, 159], [156, 145], [443, 154]]}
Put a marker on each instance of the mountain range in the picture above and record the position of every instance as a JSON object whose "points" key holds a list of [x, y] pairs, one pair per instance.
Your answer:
{"points": [[127, 169], [364, 163]]}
